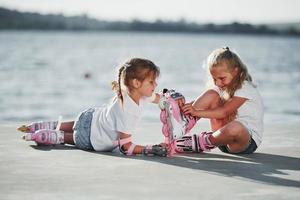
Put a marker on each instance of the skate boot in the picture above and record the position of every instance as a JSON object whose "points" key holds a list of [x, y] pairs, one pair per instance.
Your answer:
{"points": [[33, 127], [46, 137], [193, 143], [175, 123]]}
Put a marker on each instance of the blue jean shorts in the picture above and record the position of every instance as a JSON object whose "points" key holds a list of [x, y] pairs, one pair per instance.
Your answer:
{"points": [[82, 130], [250, 149]]}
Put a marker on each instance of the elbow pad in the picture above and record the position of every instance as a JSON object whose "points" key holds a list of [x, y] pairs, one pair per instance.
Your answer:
{"points": [[130, 150]]}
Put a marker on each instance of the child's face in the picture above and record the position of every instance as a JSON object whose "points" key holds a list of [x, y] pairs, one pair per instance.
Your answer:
{"points": [[148, 86], [222, 76]]}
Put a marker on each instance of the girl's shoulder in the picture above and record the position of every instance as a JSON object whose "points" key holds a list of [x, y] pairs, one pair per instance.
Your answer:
{"points": [[248, 90], [248, 85]]}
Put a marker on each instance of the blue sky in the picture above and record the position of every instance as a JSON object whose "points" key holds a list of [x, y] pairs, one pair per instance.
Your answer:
{"points": [[201, 11]]}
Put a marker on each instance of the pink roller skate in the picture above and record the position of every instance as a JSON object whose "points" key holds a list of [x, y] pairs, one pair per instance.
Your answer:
{"points": [[175, 123], [193, 143], [33, 127], [46, 137]]}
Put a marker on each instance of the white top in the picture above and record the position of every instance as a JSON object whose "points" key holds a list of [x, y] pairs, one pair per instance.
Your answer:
{"points": [[251, 113], [113, 118]]}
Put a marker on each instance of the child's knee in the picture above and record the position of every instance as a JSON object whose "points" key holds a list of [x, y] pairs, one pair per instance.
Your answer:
{"points": [[208, 100], [236, 131], [215, 99]]}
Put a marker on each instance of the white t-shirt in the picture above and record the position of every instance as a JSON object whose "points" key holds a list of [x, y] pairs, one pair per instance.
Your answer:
{"points": [[113, 118], [251, 113]]}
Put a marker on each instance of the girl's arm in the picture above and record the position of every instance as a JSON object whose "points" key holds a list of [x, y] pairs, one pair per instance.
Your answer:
{"points": [[217, 113], [129, 148], [138, 149]]}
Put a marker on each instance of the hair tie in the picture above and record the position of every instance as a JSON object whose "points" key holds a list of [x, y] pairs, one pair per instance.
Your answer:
{"points": [[116, 88], [126, 65], [227, 48], [115, 85]]}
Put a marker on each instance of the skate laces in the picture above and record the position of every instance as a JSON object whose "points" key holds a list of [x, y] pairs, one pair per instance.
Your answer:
{"points": [[190, 122]]}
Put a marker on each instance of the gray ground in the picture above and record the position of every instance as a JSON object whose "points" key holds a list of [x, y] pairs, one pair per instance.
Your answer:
{"points": [[63, 172]]}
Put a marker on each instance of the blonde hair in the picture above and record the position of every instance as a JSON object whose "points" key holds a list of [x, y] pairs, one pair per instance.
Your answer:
{"points": [[233, 62], [134, 68]]}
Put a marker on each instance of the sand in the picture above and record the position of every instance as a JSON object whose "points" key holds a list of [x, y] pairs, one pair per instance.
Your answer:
{"points": [[31, 172]]}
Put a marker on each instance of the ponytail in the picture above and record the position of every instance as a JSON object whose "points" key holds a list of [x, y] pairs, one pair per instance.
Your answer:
{"points": [[120, 95], [116, 85]]}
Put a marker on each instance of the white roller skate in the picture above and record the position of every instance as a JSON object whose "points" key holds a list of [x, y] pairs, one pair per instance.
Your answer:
{"points": [[175, 123], [45, 137], [193, 143], [33, 127]]}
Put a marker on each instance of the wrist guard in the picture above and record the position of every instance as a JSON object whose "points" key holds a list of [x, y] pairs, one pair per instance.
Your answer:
{"points": [[155, 150]]}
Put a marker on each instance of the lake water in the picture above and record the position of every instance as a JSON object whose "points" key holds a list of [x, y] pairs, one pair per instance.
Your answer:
{"points": [[42, 73]]}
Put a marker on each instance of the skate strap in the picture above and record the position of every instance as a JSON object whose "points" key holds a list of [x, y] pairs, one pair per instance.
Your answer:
{"points": [[203, 142], [124, 141], [130, 150]]}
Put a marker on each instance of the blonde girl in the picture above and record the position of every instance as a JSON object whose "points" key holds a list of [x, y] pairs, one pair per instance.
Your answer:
{"points": [[233, 105]]}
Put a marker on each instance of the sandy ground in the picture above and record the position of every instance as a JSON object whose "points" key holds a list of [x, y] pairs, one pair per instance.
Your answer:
{"points": [[31, 172]]}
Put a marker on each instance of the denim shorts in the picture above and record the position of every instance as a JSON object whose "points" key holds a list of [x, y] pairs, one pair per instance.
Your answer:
{"points": [[250, 149], [82, 130]]}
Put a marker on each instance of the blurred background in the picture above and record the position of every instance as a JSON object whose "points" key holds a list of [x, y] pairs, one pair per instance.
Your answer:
{"points": [[58, 57]]}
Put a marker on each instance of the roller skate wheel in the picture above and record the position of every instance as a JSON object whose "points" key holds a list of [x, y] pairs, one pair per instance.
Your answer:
{"points": [[163, 117], [165, 130]]}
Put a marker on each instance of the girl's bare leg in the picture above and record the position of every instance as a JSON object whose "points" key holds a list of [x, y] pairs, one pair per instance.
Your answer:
{"points": [[226, 132], [68, 138], [209, 100], [67, 127], [234, 135]]}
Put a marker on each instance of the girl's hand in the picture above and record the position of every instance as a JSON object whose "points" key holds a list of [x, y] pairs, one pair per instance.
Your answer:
{"points": [[168, 146], [189, 109], [180, 102]]}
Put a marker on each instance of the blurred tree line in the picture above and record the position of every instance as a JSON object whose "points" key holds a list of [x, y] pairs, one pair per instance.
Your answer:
{"points": [[15, 20]]}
